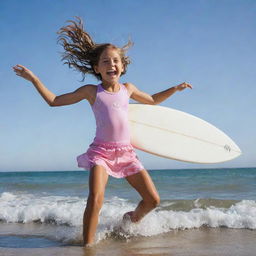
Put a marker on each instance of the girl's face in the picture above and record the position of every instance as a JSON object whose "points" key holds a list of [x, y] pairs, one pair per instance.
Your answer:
{"points": [[110, 66]]}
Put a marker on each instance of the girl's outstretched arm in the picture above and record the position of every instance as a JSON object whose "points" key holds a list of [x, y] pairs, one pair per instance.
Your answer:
{"points": [[156, 98], [84, 92]]}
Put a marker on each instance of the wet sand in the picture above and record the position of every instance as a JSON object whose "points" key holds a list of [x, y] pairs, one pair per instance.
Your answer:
{"points": [[200, 242]]}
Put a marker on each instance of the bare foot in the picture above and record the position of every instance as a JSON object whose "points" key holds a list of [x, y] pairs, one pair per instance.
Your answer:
{"points": [[130, 216]]}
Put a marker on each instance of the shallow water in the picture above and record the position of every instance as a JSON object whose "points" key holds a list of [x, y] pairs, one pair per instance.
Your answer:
{"points": [[200, 242], [44, 210]]}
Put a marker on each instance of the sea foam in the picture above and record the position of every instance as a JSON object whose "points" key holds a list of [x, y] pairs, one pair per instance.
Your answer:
{"points": [[68, 211]]}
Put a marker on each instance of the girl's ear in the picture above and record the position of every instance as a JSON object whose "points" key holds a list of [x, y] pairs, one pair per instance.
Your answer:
{"points": [[95, 67], [122, 69]]}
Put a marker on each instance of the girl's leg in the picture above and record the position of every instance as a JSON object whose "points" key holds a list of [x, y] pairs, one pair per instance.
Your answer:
{"points": [[97, 184], [142, 182]]}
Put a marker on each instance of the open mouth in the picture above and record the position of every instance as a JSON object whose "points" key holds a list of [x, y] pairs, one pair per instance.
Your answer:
{"points": [[112, 73]]}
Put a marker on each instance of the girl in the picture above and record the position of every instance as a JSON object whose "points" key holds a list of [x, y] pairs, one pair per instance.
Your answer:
{"points": [[111, 152]]}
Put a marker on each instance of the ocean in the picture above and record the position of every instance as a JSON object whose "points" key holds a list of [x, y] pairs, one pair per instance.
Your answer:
{"points": [[202, 212]]}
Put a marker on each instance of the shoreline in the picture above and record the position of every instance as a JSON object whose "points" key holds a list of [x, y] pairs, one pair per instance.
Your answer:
{"points": [[200, 242]]}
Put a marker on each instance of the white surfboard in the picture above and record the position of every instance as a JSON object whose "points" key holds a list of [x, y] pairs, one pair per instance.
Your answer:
{"points": [[177, 135]]}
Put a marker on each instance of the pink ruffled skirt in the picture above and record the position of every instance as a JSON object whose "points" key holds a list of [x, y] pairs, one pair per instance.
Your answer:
{"points": [[119, 160]]}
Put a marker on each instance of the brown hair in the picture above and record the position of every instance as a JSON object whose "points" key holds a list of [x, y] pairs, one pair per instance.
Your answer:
{"points": [[82, 53]]}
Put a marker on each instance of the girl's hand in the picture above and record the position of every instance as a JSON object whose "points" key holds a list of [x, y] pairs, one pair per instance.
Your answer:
{"points": [[24, 72], [183, 86]]}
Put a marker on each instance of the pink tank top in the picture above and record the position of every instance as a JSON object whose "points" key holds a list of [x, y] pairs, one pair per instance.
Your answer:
{"points": [[111, 114]]}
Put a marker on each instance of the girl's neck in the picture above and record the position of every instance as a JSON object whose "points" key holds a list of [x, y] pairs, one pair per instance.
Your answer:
{"points": [[111, 87]]}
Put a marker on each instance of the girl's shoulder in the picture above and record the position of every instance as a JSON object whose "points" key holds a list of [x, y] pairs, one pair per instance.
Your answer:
{"points": [[130, 87], [89, 91], [89, 87]]}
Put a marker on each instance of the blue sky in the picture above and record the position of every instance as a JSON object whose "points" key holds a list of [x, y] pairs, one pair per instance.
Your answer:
{"points": [[208, 43]]}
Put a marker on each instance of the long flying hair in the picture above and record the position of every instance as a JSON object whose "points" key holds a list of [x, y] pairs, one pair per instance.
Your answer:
{"points": [[82, 53]]}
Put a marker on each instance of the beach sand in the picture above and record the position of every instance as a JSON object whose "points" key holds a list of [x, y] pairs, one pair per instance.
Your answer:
{"points": [[200, 242]]}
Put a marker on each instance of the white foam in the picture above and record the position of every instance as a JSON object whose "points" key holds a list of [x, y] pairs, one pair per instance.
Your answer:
{"points": [[26, 208], [240, 215]]}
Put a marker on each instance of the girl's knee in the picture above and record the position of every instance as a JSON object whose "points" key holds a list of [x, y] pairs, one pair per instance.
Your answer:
{"points": [[95, 201], [154, 201]]}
